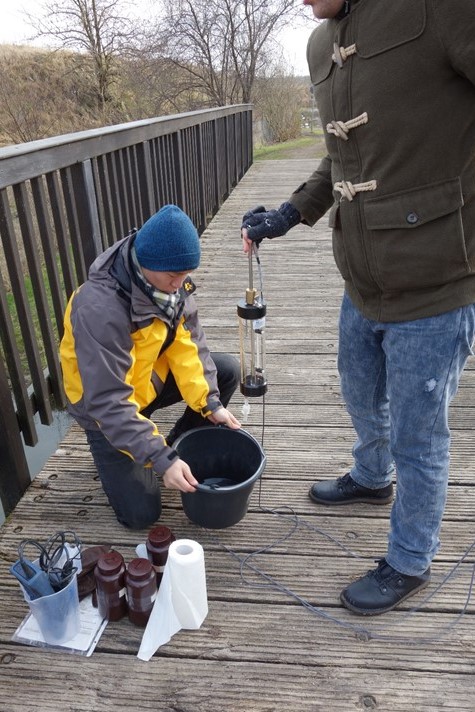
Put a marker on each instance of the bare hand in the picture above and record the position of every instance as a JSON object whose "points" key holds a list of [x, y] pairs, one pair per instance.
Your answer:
{"points": [[223, 416], [179, 477], [246, 242]]}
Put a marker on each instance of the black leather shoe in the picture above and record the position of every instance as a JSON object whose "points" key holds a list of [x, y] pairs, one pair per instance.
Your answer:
{"points": [[381, 590], [345, 490]]}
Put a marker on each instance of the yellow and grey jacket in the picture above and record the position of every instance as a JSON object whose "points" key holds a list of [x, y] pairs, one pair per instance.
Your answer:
{"points": [[117, 350]]}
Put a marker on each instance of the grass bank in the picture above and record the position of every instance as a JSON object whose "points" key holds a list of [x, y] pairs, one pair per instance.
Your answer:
{"points": [[308, 146]]}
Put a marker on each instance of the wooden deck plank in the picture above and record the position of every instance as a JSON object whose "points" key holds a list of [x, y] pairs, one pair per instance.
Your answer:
{"points": [[178, 685], [260, 649], [364, 536], [271, 633], [317, 576]]}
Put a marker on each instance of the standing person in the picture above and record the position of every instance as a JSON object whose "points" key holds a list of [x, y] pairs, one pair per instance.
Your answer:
{"points": [[133, 344], [395, 86]]}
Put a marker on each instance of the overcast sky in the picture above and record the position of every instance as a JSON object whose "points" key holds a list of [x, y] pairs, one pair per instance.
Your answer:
{"points": [[15, 30]]}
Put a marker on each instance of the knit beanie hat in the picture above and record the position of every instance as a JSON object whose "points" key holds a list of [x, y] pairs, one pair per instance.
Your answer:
{"points": [[168, 242]]}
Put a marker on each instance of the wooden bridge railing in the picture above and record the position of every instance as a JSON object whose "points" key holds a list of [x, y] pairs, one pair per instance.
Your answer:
{"points": [[65, 199]]}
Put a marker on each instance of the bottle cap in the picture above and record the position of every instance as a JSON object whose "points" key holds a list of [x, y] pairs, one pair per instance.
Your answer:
{"points": [[160, 536], [139, 569], [110, 563]]}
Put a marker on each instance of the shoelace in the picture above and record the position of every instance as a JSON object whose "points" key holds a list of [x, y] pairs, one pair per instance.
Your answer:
{"points": [[346, 484]]}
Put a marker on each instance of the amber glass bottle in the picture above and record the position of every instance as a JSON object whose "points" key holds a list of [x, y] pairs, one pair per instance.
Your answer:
{"points": [[141, 585], [110, 586], [158, 542]]}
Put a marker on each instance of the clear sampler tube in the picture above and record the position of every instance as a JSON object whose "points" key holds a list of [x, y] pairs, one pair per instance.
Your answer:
{"points": [[251, 313]]}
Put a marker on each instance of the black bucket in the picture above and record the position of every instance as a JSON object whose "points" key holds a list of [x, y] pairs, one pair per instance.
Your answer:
{"points": [[226, 463]]}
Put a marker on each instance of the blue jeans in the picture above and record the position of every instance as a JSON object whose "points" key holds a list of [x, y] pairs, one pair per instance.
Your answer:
{"points": [[133, 490], [397, 380]]}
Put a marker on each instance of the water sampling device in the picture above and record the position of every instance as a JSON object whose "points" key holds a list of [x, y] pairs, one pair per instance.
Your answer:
{"points": [[227, 462], [252, 312]]}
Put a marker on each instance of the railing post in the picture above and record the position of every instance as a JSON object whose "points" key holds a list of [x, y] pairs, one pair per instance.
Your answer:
{"points": [[88, 213], [235, 150], [24, 312], [227, 157], [217, 181], [81, 207], [14, 472], [250, 139], [178, 167], [146, 181], [201, 180]]}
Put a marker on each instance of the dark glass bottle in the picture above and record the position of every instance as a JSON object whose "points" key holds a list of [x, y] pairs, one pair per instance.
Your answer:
{"points": [[110, 586], [158, 542], [141, 585]]}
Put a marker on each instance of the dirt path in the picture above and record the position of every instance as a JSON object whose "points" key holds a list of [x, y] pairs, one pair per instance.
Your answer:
{"points": [[315, 150]]}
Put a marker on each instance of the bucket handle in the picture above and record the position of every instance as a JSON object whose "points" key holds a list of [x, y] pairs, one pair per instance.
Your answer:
{"points": [[214, 487]]}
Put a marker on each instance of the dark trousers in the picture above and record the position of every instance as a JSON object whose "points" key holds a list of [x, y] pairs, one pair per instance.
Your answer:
{"points": [[133, 490]]}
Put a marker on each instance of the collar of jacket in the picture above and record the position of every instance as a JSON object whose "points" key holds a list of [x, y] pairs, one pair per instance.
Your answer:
{"points": [[345, 10], [143, 309], [115, 265]]}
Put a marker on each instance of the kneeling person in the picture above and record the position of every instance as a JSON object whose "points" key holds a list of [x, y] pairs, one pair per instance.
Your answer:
{"points": [[133, 344]]}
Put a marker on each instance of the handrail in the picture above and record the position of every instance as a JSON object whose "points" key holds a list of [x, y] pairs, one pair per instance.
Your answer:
{"points": [[60, 151], [65, 199]]}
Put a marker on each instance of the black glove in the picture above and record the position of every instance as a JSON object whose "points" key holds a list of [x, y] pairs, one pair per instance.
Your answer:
{"points": [[261, 223]]}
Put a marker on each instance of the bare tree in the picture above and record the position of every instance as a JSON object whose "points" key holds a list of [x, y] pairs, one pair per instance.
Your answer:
{"points": [[278, 100], [100, 28], [161, 88], [222, 45]]}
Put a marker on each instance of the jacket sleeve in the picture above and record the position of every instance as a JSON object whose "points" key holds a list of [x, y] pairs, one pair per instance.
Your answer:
{"points": [[191, 364], [104, 352], [314, 197]]}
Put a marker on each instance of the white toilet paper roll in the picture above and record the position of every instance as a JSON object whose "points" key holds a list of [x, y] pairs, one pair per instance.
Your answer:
{"points": [[182, 600], [188, 582]]}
